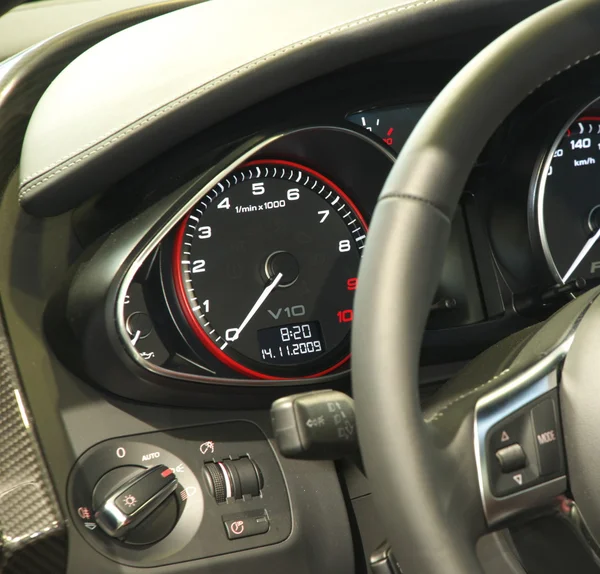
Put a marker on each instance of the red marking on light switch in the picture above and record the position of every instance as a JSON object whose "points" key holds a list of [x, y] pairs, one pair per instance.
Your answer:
{"points": [[166, 473]]}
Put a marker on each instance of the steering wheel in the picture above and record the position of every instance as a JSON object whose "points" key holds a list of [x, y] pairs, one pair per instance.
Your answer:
{"points": [[438, 477]]}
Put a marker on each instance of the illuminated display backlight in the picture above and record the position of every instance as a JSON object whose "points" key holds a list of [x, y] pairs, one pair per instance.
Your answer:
{"points": [[289, 344]]}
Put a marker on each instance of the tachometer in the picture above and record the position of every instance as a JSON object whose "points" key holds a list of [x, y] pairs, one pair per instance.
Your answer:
{"points": [[567, 202], [265, 270]]}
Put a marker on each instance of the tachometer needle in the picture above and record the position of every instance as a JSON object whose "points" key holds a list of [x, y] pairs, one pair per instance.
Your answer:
{"points": [[257, 305], [588, 245]]}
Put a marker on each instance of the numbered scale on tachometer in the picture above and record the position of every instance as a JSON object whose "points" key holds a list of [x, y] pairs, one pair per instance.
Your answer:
{"points": [[265, 270]]}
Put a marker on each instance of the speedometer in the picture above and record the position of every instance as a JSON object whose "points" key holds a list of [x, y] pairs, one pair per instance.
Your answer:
{"points": [[265, 269], [567, 202]]}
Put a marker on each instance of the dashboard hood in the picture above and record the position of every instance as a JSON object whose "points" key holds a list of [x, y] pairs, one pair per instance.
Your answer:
{"points": [[150, 86]]}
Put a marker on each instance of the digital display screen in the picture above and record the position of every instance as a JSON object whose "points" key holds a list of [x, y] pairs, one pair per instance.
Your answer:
{"points": [[291, 344], [393, 125]]}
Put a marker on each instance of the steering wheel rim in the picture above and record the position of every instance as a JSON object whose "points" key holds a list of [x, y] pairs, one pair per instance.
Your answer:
{"points": [[433, 521]]}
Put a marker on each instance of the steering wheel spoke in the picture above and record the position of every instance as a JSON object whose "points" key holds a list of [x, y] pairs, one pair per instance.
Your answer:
{"points": [[501, 420], [510, 400], [523, 418]]}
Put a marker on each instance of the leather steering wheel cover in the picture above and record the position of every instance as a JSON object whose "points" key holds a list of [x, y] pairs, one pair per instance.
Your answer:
{"points": [[400, 270]]}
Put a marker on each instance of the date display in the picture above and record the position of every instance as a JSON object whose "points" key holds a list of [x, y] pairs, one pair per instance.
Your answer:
{"points": [[286, 344]]}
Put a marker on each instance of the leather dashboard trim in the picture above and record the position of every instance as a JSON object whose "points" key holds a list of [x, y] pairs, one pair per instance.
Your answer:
{"points": [[114, 134], [25, 77], [162, 102]]}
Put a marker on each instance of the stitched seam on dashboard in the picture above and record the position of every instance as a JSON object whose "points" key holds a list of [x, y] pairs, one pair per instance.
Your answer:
{"points": [[439, 413], [419, 199], [184, 98]]}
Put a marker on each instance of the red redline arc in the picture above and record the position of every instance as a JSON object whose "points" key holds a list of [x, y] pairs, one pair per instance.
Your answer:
{"points": [[185, 304]]}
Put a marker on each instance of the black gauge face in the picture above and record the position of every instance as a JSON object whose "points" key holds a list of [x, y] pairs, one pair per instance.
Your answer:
{"points": [[265, 270], [567, 206]]}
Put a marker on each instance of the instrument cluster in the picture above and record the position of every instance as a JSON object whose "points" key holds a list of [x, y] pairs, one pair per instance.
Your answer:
{"points": [[244, 273], [255, 278]]}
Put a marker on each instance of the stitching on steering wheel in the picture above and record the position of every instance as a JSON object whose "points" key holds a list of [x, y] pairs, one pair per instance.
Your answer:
{"points": [[439, 413], [415, 198], [439, 208]]}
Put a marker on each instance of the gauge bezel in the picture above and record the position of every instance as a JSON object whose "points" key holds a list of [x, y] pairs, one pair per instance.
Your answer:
{"points": [[192, 320], [538, 188], [281, 144]]}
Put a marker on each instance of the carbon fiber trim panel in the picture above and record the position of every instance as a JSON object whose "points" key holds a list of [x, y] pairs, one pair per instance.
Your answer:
{"points": [[32, 529]]}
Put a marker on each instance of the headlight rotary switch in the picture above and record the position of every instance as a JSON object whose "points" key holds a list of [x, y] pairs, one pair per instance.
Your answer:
{"points": [[137, 505], [233, 479]]}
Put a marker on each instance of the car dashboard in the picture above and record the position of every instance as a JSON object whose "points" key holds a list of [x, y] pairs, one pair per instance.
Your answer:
{"points": [[156, 322]]}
